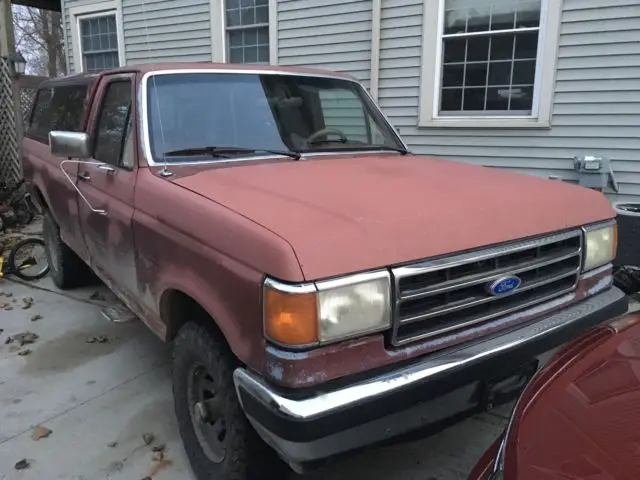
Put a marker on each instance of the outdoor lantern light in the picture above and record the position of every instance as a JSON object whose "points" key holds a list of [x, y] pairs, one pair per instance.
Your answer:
{"points": [[18, 62]]}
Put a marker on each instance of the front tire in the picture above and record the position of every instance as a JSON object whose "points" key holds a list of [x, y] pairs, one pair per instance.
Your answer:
{"points": [[66, 268], [217, 437]]}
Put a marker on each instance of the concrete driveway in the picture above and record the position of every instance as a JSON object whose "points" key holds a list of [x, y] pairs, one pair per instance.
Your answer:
{"points": [[99, 399]]}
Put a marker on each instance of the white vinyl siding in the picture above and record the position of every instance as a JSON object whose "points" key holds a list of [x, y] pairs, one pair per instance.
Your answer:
{"points": [[332, 34], [167, 30]]}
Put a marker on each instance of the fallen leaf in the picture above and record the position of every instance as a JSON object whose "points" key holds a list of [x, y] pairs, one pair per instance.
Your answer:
{"points": [[98, 339], [24, 352], [22, 464], [25, 338], [36, 317], [40, 432], [8, 308], [8, 294], [27, 302], [112, 444], [97, 296], [148, 438], [158, 448], [158, 456]]}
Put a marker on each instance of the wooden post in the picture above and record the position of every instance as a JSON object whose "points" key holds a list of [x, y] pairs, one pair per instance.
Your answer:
{"points": [[7, 39]]}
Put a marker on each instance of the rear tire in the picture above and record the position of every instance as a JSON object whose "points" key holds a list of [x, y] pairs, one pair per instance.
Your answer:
{"points": [[15, 255], [236, 451], [66, 268]]}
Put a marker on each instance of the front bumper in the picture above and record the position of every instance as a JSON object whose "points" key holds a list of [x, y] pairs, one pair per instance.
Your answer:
{"points": [[306, 426]]}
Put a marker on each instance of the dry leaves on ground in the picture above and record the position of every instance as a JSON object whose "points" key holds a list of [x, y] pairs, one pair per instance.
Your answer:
{"points": [[40, 432]]}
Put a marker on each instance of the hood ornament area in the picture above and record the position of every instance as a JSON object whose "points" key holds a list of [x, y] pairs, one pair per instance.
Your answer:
{"points": [[504, 285]]}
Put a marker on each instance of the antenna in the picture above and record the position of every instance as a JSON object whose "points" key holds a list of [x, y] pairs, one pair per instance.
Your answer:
{"points": [[165, 171]]}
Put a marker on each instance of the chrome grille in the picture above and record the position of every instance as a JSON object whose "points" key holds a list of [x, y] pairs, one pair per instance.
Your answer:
{"points": [[442, 295]]}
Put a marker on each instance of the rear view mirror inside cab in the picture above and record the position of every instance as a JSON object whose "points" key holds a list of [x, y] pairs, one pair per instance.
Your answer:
{"points": [[69, 144]]}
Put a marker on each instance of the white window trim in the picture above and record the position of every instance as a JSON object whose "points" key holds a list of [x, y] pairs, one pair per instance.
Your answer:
{"points": [[219, 31], [92, 11], [431, 72]]}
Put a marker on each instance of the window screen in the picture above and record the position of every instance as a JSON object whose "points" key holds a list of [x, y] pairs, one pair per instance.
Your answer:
{"points": [[112, 123]]}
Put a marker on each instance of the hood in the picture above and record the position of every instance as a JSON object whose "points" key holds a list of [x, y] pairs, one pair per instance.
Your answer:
{"points": [[346, 214], [578, 419]]}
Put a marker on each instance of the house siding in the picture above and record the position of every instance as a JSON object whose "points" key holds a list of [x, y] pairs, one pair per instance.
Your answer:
{"points": [[167, 30], [162, 30], [332, 34], [596, 107]]}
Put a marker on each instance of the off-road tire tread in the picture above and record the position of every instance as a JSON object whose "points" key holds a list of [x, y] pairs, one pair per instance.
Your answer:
{"points": [[247, 456], [73, 271]]}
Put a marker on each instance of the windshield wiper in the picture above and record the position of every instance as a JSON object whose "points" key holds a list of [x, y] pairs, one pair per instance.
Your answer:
{"points": [[226, 151], [360, 146]]}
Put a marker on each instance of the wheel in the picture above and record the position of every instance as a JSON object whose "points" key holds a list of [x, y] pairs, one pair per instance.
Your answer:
{"points": [[217, 437], [66, 268], [28, 259]]}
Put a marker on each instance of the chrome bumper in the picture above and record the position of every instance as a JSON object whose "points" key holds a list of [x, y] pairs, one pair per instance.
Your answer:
{"points": [[267, 408]]}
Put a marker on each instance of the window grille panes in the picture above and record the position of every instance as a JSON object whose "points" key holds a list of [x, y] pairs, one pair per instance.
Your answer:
{"points": [[490, 49], [247, 31], [99, 43]]}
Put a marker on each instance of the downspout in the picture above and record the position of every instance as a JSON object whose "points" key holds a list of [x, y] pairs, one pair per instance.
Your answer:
{"points": [[374, 81]]}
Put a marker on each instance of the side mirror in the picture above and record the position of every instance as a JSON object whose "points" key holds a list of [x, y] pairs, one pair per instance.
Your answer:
{"points": [[69, 144]]}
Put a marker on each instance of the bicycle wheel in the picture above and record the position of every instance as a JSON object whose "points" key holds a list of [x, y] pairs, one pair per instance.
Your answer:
{"points": [[28, 259]]}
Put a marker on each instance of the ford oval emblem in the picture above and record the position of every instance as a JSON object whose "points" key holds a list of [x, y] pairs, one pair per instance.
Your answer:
{"points": [[504, 285]]}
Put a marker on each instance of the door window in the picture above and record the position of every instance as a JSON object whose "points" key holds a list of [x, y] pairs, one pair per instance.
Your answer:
{"points": [[113, 125]]}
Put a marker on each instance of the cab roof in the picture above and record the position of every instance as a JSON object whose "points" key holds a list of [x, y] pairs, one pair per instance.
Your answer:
{"points": [[89, 78]]}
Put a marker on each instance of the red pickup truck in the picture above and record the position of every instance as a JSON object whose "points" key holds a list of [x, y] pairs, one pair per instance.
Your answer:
{"points": [[324, 289]]}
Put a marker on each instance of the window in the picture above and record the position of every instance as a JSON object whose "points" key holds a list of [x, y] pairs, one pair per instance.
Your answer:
{"points": [[113, 122], [97, 38], [57, 108], [278, 112], [247, 28], [99, 42], [489, 60], [489, 56]]}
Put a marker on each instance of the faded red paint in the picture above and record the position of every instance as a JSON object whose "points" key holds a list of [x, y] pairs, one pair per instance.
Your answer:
{"points": [[354, 213], [578, 417], [213, 232]]}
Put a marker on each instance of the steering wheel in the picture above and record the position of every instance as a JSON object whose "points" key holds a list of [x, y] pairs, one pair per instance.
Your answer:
{"points": [[326, 131]]}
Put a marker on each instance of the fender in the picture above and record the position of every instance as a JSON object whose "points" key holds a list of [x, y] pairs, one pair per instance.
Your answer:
{"points": [[239, 322]]}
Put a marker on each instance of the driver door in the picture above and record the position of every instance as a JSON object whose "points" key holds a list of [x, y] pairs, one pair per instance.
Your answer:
{"points": [[106, 215]]}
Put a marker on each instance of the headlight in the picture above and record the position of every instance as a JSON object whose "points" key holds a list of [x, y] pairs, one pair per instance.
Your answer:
{"points": [[600, 246], [327, 311]]}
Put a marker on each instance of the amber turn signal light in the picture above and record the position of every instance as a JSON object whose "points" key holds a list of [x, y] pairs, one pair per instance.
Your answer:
{"points": [[290, 319]]}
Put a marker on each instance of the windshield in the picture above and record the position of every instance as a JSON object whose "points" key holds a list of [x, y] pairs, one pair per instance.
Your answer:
{"points": [[258, 112]]}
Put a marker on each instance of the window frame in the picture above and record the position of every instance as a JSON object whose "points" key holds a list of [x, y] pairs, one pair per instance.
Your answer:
{"points": [[96, 121], [431, 74], [96, 10], [219, 38]]}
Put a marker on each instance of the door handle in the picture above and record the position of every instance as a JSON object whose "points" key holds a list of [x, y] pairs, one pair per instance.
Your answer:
{"points": [[84, 176], [107, 169]]}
